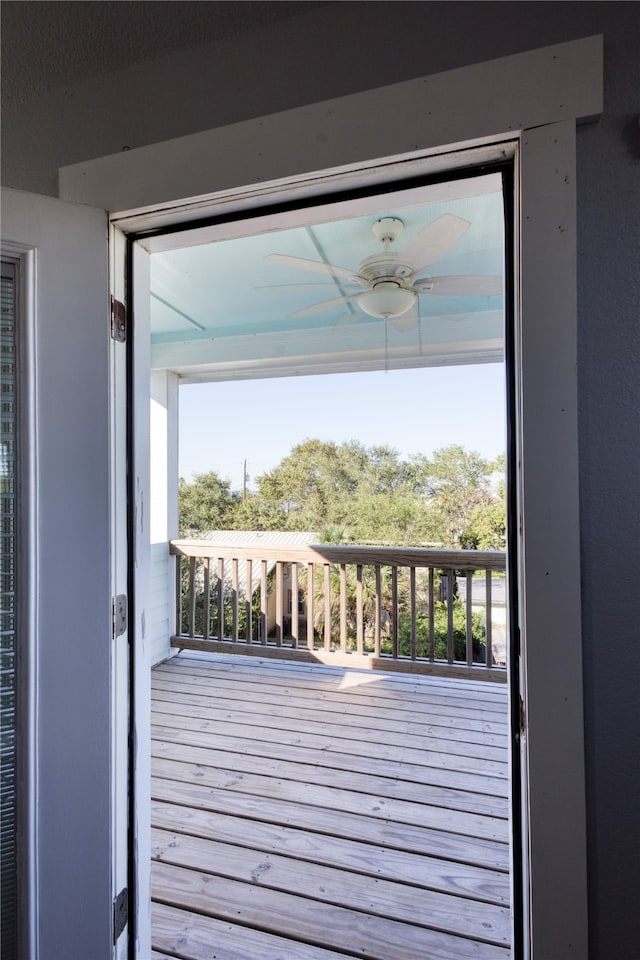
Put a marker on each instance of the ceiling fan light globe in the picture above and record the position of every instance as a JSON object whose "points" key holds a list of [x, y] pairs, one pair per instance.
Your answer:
{"points": [[386, 300]]}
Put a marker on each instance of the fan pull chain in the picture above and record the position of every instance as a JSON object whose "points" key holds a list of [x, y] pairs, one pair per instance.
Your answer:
{"points": [[386, 345]]}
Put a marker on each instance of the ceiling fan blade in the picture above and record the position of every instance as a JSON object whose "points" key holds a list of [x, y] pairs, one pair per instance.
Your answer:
{"points": [[315, 266], [434, 240], [406, 321], [464, 286], [325, 305], [297, 286]]}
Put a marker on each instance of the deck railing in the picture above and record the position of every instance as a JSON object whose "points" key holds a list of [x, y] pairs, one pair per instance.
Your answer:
{"points": [[411, 608]]}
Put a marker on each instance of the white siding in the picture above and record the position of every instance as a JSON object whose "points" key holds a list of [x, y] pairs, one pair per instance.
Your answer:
{"points": [[164, 507]]}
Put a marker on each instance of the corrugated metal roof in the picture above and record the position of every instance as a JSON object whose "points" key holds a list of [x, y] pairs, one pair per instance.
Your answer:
{"points": [[247, 538]]}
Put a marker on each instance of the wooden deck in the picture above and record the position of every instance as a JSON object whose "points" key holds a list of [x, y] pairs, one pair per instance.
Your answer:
{"points": [[311, 813]]}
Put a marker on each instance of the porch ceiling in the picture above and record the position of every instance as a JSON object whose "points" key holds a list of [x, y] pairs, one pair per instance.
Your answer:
{"points": [[219, 308]]}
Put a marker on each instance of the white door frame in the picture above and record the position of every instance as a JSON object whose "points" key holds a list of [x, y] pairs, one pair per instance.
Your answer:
{"points": [[531, 101]]}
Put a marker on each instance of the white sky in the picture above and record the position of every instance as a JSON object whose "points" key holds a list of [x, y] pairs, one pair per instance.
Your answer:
{"points": [[414, 411]]}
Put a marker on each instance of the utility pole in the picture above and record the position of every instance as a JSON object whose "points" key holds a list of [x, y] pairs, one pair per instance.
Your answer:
{"points": [[245, 477]]}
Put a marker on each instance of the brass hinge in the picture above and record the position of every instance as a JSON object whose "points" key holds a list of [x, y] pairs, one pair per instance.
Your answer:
{"points": [[120, 913], [119, 615], [118, 320]]}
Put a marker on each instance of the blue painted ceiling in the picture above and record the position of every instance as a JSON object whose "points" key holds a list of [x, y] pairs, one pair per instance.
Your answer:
{"points": [[213, 299]]}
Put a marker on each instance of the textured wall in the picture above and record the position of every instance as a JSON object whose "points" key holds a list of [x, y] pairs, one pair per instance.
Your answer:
{"points": [[346, 47]]}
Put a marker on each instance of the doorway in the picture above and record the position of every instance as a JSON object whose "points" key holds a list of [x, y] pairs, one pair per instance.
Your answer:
{"points": [[467, 325]]}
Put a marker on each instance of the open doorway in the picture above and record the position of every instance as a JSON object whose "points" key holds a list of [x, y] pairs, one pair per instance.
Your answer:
{"points": [[211, 323]]}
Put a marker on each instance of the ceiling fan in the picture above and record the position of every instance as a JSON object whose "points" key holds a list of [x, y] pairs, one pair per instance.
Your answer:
{"points": [[388, 283]]}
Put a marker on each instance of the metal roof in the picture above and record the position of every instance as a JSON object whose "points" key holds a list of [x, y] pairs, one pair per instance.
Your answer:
{"points": [[247, 538]]}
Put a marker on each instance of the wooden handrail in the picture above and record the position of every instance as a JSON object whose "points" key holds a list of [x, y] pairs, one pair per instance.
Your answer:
{"points": [[494, 560]]}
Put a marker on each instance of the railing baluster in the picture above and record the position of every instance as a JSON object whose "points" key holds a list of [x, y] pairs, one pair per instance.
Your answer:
{"points": [[220, 598], [469, 619], [359, 611], [412, 589], [207, 599], [378, 623], [343, 608], [234, 599], [192, 596], [179, 596], [263, 602], [488, 612], [432, 616], [327, 606], [279, 604], [450, 616], [310, 605], [295, 619], [394, 612], [248, 594]]}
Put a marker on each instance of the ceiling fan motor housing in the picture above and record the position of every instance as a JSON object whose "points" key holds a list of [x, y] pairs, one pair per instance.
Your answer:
{"points": [[387, 298], [387, 275]]}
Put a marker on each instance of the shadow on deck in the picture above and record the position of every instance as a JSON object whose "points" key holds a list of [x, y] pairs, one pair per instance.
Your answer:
{"points": [[307, 812]]}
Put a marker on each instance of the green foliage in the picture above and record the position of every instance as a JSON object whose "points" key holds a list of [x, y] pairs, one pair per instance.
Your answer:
{"points": [[459, 488], [351, 493], [441, 632], [206, 504]]}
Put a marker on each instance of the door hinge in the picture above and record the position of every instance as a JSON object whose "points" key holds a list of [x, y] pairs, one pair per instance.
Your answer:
{"points": [[118, 320], [119, 615], [120, 913], [523, 717]]}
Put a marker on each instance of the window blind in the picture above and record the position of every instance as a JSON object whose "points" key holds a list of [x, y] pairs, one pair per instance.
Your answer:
{"points": [[8, 547]]}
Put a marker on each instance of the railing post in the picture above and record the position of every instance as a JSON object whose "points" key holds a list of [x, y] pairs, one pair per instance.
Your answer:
{"points": [[378, 623], [432, 616], [248, 593], [279, 605], [310, 605], [469, 617], [178, 595], [327, 606], [207, 598], [263, 602], [343, 608], [450, 651], [359, 611], [394, 612], [488, 613], [295, 620], [192, 596], [220, 597]]}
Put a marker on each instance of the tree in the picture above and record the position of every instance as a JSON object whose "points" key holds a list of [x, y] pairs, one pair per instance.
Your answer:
{"points": [[208, 503], [460, 489], [348, 493]]}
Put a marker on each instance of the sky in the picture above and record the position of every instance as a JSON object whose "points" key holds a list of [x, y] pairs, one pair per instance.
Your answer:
{"points": [[413, 411]]}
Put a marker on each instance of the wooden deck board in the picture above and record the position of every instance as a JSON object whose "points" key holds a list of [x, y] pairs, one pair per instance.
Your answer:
{"points": [[437, 704], [387, 731], [284, 828], [335, 706], [348, 739]]}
